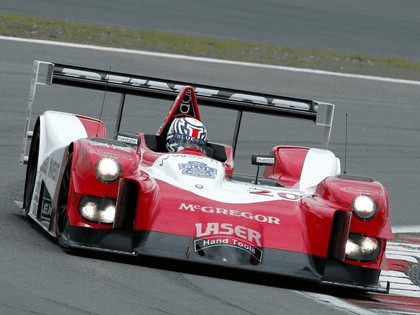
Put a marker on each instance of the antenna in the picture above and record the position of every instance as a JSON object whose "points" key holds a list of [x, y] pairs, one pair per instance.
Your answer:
{"points": [[345, 149], [103, 103]]}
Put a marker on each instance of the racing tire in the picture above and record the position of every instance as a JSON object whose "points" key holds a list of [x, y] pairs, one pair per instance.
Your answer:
{"points": [[61, 216], [31, 171]]}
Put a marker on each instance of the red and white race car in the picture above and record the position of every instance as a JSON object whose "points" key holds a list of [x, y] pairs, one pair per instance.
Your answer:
{"points": [[127, 194]]}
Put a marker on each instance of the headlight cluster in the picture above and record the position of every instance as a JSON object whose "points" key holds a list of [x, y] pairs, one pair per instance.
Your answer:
{"points": [[362, 248], [364, 207], [108, 170], [97, 209]]}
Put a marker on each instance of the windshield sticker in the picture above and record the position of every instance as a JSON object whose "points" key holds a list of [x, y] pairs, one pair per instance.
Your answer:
{"points": [[226, 234], [197, 169]]}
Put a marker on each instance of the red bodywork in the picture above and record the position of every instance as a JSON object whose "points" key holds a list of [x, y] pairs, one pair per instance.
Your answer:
{"points": [[130, 196], [294, 223]]}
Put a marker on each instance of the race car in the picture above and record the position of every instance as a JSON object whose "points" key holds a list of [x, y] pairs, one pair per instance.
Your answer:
{"points": [[134, 194]]}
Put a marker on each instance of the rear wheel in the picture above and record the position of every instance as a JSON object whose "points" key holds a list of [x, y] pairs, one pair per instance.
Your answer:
{"points": [[31, 170]]}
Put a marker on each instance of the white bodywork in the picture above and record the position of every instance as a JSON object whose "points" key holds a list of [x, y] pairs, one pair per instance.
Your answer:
{"points": [[206, 177], [57, 131], [318, 165]]}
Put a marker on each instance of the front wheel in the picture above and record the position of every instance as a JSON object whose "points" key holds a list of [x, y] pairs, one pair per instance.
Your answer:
{"points": [[31, 170], [61, 215]]}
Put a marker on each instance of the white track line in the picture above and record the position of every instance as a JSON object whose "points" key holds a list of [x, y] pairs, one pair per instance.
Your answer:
{"points": [[401, 283], [211, 60], [336, 303], [406, 229]]}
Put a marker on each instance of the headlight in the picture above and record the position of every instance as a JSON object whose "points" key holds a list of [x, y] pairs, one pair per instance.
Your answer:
{"points": [[362, 248], [108, 170], [96, 209], [364, 207]]}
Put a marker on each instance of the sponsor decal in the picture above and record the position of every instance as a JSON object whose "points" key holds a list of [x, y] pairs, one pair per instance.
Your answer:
{"points": [[269, 193], [289, 196], [132, 140], [46, 209], [265, 160], [230, 212], [361, 190], [197, 169], [226, 234], [35, 197], [190, 138], [112, 154], [50, 168], [110, 146], [228, 229], [260, 191], [262, 159], [201, 91]]}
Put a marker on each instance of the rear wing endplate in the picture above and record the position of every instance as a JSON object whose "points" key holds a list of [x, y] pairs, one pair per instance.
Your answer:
{"points": [[47, 73], [39, 77]]}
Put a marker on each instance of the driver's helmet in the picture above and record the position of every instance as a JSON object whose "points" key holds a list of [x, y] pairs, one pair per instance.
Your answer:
{"points": [[186, 132]]}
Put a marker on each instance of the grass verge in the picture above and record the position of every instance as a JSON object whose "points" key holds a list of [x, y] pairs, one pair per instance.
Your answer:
{"points": [[49, 29]]}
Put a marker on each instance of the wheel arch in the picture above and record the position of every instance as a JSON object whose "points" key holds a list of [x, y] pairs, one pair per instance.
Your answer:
{"points": [[62, 191], [32, 166]]}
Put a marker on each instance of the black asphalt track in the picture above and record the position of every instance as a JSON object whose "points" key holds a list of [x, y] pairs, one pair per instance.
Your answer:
{"points": [[40, 278], [37, 277]]}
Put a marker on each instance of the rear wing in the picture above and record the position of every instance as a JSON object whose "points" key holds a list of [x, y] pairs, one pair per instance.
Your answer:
{"points": [[47, 73]]}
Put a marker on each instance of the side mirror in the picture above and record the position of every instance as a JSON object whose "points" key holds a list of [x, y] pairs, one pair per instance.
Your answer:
{"points": [[130, 139], [261, 159]]}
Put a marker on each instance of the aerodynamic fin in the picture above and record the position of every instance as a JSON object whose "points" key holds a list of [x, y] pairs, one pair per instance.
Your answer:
{"points": [[185, 104]]}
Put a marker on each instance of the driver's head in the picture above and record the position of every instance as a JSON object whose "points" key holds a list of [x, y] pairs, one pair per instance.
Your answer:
{"points": [[186, 132]]}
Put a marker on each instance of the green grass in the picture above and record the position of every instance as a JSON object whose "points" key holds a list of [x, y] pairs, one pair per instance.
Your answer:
{"points": [[49, 29]]}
